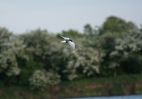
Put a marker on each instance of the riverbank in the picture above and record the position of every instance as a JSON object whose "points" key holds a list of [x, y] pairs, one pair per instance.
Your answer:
{"points": [[121, 85]]}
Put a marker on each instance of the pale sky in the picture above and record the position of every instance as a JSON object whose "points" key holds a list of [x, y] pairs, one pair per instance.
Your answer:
{"points": [[57, 15]]}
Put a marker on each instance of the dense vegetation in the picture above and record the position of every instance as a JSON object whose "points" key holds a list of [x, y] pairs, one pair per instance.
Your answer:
{"points": [[37, 59]]}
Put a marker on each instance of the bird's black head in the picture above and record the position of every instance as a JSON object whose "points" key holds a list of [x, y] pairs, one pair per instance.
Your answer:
{"points": [[70, 40]]}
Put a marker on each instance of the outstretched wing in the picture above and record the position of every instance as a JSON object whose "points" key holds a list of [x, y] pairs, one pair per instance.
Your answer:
{"points": [[63, 41], [65, 38]]}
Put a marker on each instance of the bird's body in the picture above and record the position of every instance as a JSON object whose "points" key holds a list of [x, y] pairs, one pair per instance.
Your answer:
{"points": [[69, 42]]}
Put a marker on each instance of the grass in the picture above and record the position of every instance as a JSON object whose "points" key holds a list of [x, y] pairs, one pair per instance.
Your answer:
{"points": [[121, 85]]}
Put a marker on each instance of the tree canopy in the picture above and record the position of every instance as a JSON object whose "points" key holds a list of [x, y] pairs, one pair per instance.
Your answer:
{"points": [[38, 59]]}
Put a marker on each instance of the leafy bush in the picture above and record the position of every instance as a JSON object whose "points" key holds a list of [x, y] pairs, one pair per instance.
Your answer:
{"points": [[113, 49], [42, 79], [11, 48]]}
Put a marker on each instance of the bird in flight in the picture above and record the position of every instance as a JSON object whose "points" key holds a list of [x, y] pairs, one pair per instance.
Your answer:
{"points": [[68, 41]]}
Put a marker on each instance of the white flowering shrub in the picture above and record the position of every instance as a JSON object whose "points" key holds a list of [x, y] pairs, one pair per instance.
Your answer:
{"points": [[11, 48], [42, 79], [84, 62]]}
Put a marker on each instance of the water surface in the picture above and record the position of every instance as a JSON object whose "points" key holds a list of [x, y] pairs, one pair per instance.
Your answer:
{"points": [[112, 97]]}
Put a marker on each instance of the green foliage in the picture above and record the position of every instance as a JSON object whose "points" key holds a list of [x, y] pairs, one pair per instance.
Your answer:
{"points": [[71, 33], [11, 49], [4, 34], [88, 30], [115, 24], [123, 51], [84, 62], [113, 49], [42, 79]]}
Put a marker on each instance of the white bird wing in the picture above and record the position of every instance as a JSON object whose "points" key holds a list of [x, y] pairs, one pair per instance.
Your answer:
{"points": [[71, 44], [63, 41], [65, 38]]}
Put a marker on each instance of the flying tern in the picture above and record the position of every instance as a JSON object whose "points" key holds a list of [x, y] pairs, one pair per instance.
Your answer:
{"points": [[68, 41]]}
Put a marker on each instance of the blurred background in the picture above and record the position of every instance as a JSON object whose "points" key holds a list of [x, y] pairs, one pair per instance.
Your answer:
{"points": [[107, 59]]}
